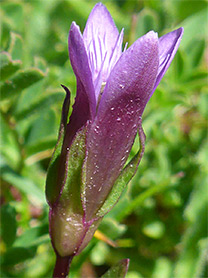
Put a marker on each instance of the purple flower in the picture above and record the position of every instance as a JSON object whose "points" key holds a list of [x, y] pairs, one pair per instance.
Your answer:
{"points": [[113, 88]]}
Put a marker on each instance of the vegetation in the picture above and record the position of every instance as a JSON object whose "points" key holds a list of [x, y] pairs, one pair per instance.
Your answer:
{"points": [[160, 221]]}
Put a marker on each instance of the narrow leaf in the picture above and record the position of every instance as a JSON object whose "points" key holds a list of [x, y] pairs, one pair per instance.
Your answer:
{"points": [[16, 255], [42, 103], [8, 66], [8, 224], [23, 184], [118, 271], [16, 46], [33, 237], [196, 212], [20, 81]]}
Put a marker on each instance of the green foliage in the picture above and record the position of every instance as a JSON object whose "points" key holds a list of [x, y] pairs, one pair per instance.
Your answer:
{"points": [[118, 271], [8, 224], [7, 65], [160, 220], [19, 82]]}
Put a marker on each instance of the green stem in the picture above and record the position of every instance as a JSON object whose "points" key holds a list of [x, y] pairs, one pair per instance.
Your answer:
{"points": [[62, 266]]}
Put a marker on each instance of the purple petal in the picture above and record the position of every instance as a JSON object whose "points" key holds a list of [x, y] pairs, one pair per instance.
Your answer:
{"points": [[168, 46], [80, 65], [84, 107], [112, 133], [103, 44]]}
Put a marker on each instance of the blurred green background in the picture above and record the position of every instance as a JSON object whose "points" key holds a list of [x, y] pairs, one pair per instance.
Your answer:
{"points": [[160, 222]]}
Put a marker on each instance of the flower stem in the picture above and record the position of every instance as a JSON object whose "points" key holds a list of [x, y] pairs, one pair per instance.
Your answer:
{"points": [[61, 269]]}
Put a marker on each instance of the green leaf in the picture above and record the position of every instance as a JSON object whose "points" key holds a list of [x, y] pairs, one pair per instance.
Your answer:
{"points": [[23, 184], [42, 103], [112, 228], [17, 255], [16, 46], [201, 264], [147, 20], [44, 144], [118, 271], [155, 229], [196, 51], [9, 145], [179, 63], [99, 253], [8, 224], [129, 207], [21, 80], [162, 268], [124, 178], [8, 66], [33, 237], [195, 24], [45, 126], [183, 9], [41, 64], [196, 212]]}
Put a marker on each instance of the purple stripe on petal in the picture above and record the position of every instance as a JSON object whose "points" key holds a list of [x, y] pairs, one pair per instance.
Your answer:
{"points": [[112, 133], [103, 44], [168, 46]]}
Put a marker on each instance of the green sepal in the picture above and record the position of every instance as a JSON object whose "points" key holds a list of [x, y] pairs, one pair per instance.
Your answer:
{"points": [[53, 185], [8, 66], [20, 81], [118, 271], [69, 233], [71, 195], [126, 175]]}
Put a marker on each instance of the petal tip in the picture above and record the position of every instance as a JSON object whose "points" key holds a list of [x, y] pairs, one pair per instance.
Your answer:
{"points": [[180, 30], [73, 26], [150, 38], [152, 34], [99, 6]]}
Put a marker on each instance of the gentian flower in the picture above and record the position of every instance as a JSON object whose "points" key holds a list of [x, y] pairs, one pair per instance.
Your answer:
{"points": [[88, 170]]}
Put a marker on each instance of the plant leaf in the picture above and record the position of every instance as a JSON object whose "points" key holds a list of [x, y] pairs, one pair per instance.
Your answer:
{"points": [[16, 255], [21, 80], [196, 212], [33, 237], [16, 46], [118, 271], [8, 224], [23, 184], [8, 66]]}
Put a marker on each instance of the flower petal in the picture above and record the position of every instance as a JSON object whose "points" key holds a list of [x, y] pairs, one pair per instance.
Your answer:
{"points": [[80, 65], [102, 39], [112, 133], [168, 46]]}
